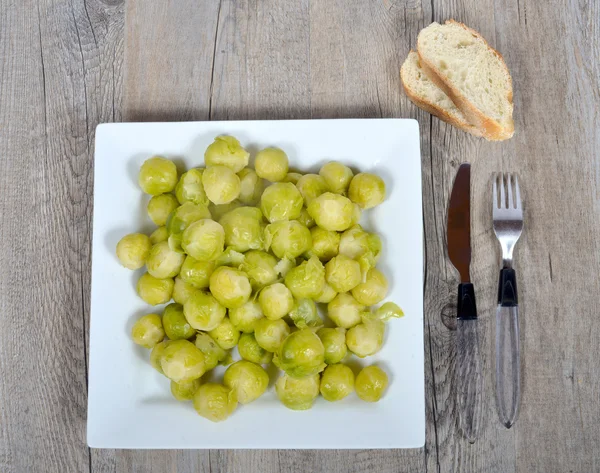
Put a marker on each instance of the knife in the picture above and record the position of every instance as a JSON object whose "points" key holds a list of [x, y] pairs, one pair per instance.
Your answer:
{"points": [[468, 363]]}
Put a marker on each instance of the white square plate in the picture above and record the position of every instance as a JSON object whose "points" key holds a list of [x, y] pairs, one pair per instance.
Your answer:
{"points": [[130, 404]]}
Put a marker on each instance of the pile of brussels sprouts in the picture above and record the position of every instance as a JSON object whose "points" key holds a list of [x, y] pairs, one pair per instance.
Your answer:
{"points": [[246, 255]]}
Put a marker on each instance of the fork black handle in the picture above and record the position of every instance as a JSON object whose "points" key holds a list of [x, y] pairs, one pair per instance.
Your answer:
{"points": [[466, 308]]}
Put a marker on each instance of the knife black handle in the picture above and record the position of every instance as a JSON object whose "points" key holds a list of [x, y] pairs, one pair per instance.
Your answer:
{"points": [[466, 308]]}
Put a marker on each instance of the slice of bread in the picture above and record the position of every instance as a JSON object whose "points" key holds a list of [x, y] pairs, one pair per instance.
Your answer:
{"points": [[428, 96], [461, 63]]}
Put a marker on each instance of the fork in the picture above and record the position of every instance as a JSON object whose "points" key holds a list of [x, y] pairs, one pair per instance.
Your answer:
{"points": [[507, 213]]}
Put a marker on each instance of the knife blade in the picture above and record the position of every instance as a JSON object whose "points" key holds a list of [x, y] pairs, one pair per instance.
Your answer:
{"points": [[468, 365]]}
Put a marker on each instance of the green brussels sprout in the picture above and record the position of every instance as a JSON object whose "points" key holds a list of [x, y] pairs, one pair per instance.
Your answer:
{"points": [[370, 383], [182, 291], [184, 215], [301, 354], [202, 311], [157, 176], [366, 338], [251, 186], [181, 361], [133, 250], [325, 244], [366, 190], [225, 334], [342, 273], [292, 177], [327, 294], [226, 151], [160, 207], [332, 212], [305, 218], [355, 242], [244, 318], [334, 341], [196, 273], [163, 262], [213, 353], [270, 333], [271, 164], [156, 355], [276, 301], [307, 279], [231, 258], [215, 402], [337, 381], [154, 291], [260, 267], [148, 331], [344, 311], [217, 211], [158, 235], [337, 177], [185, 391], [244, 229], [175, 324], [281, 201], [287, 239], [387, 311], [190, 188], [304, 314], [204, 240], [373, 290], [221, 184], [250, 350], [297, 394], [311, 186], [230, 287], [248, 380]]}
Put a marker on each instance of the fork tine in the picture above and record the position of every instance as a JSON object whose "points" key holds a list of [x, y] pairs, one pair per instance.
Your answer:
{"points": [[517, 193], [502, 194], [495, 192], [509, 190]]}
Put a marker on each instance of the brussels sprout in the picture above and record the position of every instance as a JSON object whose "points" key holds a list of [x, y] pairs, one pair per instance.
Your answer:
{"points": [[356, 214], [284, 266], [184, 215], [182, 291], [243, 229], [281, 201], [301, 354], [185, 391], [157, 176], [202, 311], [307, 279], [133, 250], [305, 218], [342, 273], [270, 333], [196, 273], [325, 244], [366, 338], [370, 383], [337, 381], [276, 301], [230, 287], [248, 380], [204, 240], [244, 318], [213, 353], [230, 257], [154, 291], [215, 402], [297, 394], [327, 294], [271, 164], [175, 324], [226, 151], [225, 334], [163, 262], [251, 186], [332, 212], [218, 211], [337, 176], [366, 190], [344, 311], [156, 355], [221, 184], [292, 177], [287, 239], [356, 242], [190, 188], [373, 290], [181, 361], [158, 235], [160, 207], [304, 314], [148, 331], [334, 341], [260, 268], [387, 311], [250, 350], [311, 186]]}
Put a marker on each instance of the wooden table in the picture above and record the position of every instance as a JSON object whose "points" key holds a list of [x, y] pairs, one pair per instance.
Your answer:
{"points": [[66, 66]]}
